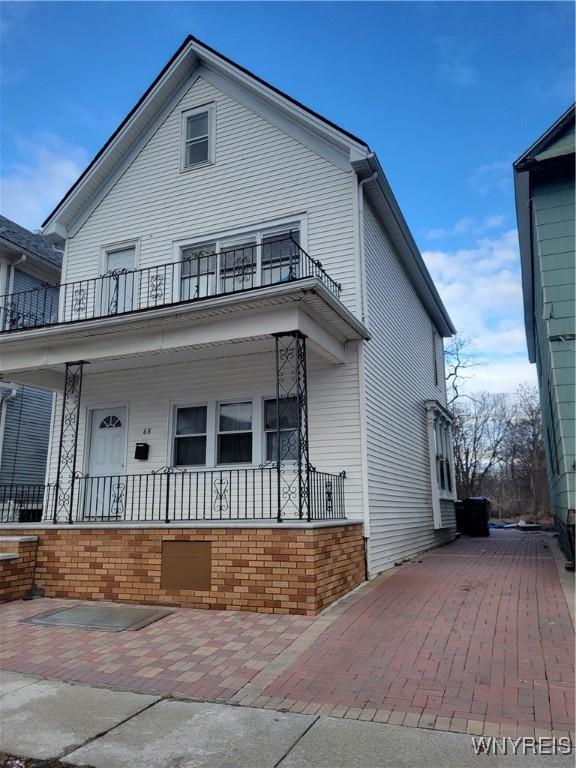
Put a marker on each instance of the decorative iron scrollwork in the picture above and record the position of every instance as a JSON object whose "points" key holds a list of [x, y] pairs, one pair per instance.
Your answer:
{"points": [[292, 460], [221, 495], [156, 287], [79, 300], [67, 450]]}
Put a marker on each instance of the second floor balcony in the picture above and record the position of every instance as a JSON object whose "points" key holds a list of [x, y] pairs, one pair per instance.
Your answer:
{"points": [[200, 274]]}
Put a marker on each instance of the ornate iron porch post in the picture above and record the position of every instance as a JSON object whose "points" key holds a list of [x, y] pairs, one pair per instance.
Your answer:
{"points": [[68, 447], [291, 385]]}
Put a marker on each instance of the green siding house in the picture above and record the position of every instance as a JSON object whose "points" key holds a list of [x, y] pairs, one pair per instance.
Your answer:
{"points": [[545, 208]]}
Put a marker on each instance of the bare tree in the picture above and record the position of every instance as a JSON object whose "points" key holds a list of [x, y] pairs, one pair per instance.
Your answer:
{"points": [[520, 484], [459, 359], [480, 428]]}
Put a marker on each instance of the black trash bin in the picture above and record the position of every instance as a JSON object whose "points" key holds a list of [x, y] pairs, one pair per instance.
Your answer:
{"points": [[475, 516]]}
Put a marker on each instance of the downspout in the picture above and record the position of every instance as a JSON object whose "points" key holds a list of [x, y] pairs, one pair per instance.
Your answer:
{"points": [[13, 266], [361, 379], [361, 244], [4, 397]]}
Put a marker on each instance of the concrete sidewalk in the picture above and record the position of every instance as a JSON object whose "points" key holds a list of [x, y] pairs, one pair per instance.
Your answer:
{"points": [[88, 726]]}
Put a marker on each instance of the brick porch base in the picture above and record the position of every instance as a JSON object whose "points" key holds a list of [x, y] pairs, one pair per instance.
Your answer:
{"points": [[273, 569]]}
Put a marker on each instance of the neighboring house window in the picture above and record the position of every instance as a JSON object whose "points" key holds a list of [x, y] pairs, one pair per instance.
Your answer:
{"points": [[288, 411], [442, 437], [197, 137], [190, 436], [235, 433]]}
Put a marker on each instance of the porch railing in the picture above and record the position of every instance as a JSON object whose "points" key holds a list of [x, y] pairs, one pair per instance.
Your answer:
{"points": [[171, 496], [200, 274]]}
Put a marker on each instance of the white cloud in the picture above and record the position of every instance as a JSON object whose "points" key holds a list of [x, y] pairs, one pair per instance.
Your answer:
{"points": [[491, 177], [467, 226], [45, 170], [501, 376], [481, 287]]}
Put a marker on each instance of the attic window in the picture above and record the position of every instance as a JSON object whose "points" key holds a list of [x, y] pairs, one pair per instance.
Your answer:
{"points": [[197, 137]]}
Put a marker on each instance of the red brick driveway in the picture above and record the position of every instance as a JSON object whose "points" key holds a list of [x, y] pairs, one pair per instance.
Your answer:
{"points": [[475, 637]]}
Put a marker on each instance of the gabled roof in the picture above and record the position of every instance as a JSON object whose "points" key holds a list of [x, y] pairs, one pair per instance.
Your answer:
{"points": [[557, 140], [32, 244], [188, 58], [192, 58]]}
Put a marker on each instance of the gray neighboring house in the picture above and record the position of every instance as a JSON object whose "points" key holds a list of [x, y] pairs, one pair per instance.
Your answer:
{"points": [[545, 205], [27, 262]]}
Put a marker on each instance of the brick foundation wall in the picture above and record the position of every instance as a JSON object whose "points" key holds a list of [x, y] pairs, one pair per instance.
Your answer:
{"points": [[270, 570], [17, 576]]}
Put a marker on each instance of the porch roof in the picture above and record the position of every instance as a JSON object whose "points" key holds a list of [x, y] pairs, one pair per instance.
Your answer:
{"points": [[38, 356]]}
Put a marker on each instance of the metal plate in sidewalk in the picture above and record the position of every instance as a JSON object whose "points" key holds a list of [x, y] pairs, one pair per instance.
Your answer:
{"points": [[107, 618]]}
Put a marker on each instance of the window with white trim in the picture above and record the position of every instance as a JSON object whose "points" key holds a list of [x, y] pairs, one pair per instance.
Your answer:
{"points": [[442, 438], [234, 263], [190, 436], [234, 437], [197, 137], [287, 410]]}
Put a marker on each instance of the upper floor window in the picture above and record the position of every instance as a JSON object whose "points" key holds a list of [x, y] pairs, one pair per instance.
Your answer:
{"points": [[197, 137]]}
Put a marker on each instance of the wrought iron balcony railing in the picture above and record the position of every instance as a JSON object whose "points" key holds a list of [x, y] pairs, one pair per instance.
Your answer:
{"points": [[172, 495], [200, 274]]}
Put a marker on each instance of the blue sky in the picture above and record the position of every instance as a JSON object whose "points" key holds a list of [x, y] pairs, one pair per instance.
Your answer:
{"points": [[448, 95]]}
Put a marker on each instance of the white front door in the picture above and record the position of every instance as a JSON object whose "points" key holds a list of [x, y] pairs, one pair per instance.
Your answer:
{"points": [[118, 284], [106, 485]]}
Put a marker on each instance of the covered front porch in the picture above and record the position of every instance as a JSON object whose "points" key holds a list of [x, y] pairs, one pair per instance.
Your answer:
{"points": [[199, 426]]}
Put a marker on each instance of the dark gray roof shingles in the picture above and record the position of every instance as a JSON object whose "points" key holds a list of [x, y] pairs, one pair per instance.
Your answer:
{"points": [[28, 241]]}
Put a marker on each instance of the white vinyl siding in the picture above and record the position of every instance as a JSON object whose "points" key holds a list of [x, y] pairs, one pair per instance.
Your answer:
{"points": [[399, 378], [260, 175], [244, 375]]}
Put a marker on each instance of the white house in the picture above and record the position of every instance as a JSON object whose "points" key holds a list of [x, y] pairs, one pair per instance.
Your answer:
{"points": [[247, 339]]}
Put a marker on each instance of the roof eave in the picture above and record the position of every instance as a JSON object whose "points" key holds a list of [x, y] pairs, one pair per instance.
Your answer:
{"points": [[547, 137], [406, 246]]}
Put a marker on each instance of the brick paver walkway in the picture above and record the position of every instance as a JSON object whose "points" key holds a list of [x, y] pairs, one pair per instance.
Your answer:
{"points": [[476, 636]]}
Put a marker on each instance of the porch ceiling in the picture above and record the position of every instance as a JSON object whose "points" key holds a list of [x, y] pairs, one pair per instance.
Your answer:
{"points": [[192, 331]]}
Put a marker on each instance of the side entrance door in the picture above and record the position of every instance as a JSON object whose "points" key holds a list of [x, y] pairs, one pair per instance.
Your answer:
{"points": [[105, 494]]}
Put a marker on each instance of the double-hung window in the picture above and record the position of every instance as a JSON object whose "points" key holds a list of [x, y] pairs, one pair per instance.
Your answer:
{"points": [[190, 436], [197, 137], [287, 411], [234, 439]]}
